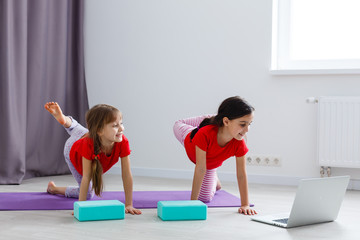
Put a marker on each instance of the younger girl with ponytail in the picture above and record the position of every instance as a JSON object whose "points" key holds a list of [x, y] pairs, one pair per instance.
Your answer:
{"points": [[91, 152], [210, 140]]}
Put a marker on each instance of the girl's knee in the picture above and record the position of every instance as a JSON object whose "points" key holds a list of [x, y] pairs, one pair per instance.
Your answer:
{"points": [[176, 127]]}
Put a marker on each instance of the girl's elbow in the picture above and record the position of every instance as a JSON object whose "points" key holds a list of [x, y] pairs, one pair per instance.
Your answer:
{"points": [[126, 172], [86, 179], [200, 170], [127, 177], [241, 175]]}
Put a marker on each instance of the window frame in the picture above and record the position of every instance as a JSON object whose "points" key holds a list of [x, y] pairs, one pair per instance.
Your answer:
{"points": [[281, 64]]}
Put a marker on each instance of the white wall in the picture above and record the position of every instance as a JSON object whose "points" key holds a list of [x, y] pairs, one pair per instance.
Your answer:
{"points": [[162, 60]]}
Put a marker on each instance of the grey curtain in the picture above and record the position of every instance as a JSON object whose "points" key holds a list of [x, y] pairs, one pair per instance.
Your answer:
{"points": [[41, 59]]}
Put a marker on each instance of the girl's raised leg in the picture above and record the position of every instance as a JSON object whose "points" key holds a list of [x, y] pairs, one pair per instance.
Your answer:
{"points": [[76, 131]]}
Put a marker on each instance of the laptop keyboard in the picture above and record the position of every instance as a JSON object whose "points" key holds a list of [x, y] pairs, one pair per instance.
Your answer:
{"points": [[283, 220]]}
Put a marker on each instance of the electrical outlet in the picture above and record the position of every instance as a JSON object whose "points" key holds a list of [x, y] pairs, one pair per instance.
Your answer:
{"points": [[276, 161], [263, 160], [249, 160]]}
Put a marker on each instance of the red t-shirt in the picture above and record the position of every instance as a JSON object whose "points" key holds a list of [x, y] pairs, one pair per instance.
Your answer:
{"points": [[206, 140], [84, 147]]}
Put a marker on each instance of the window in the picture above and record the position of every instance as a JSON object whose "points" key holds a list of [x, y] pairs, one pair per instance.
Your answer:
{"points": [[316, 35]]}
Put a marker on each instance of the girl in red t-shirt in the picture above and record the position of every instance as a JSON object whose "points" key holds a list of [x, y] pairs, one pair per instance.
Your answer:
{"points": [[91, 152], [210, 140]]}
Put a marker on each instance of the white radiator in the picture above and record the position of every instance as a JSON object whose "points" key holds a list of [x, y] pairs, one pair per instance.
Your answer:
{"points": [[339, 132]]}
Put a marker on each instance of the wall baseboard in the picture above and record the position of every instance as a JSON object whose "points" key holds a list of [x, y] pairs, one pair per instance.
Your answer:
{"points": [[224, 176]]}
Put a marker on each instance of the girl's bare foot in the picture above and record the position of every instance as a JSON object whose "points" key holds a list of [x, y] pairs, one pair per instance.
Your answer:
{"points": [[218, 184], [51, 187], [55, 110]]}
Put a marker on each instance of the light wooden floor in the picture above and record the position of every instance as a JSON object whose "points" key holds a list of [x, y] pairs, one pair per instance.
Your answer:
{"points": [[222, 223]]}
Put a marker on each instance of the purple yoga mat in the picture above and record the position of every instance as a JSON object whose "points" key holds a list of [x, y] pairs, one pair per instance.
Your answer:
{"points": [[141, 199]]}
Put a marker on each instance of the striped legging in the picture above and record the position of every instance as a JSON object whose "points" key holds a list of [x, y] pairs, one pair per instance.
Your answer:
{"points": [[181, 129]]}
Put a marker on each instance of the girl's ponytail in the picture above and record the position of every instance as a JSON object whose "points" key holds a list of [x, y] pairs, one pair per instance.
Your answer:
{"points": [[96, 176], [96, 168]]}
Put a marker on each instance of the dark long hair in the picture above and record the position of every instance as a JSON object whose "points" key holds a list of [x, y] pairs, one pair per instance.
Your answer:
{"points": [[96, 118], [232, 108]]}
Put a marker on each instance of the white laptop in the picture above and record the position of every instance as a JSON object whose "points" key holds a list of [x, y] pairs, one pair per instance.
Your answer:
{"points": [[317, 200]]}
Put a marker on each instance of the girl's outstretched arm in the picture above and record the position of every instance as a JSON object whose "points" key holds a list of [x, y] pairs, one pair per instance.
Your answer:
{"points": [[243, 186], [85, 181], [128, 186], [199, 173]]}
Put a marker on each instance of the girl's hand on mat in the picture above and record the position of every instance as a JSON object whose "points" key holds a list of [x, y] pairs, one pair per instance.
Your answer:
{"points": [[246, 210], [130, 209]]}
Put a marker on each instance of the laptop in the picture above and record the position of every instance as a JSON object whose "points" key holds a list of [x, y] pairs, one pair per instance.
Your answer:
{"points": [[317, 200]]}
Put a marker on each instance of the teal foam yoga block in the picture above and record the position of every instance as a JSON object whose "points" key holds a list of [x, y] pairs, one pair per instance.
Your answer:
{"points": [[182, 210], [99, 210]]}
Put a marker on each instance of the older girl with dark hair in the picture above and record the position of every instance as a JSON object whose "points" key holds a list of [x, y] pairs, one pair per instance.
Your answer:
{"points": [[210, 140]]}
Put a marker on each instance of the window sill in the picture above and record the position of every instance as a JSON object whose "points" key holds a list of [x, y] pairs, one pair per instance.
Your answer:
{"points": [[277, 72]]}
